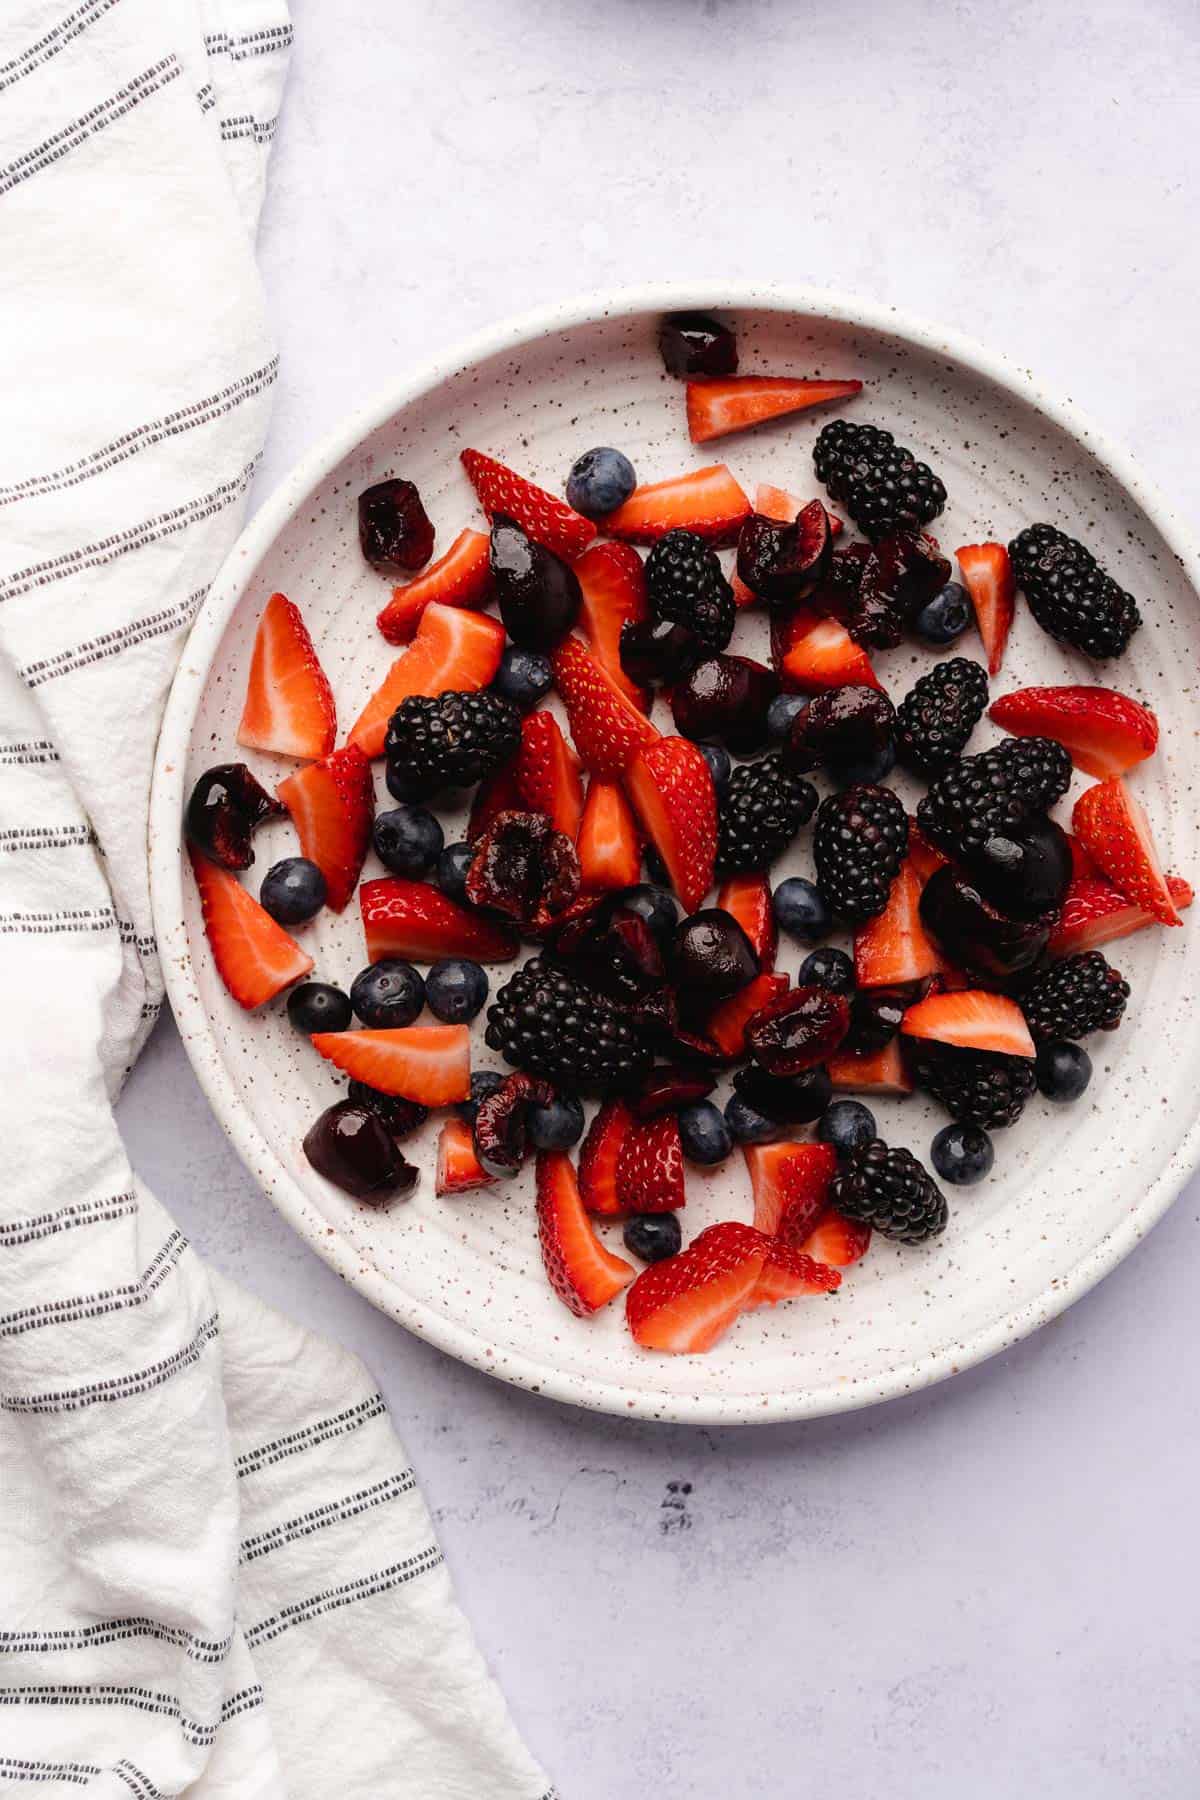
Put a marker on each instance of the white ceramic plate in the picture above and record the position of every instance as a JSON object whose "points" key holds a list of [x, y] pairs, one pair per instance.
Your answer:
{"points": [[1073, 1189]]}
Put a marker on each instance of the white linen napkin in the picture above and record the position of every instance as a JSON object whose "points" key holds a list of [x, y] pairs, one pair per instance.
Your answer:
{"points": [[216, 1572]]}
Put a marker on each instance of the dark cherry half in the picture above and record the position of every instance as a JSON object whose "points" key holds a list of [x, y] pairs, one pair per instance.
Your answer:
{"points": [[1025, 872], [726, 699], [539, 594], [223, 809], [694, 344], [797, 1030], [845, 722], [523, 868], [669, 1086], [783, 563], [500, 1122], [974, 933], [658, 650], [787, 1099], [394, 529], [351, 1146], [712, 958]]}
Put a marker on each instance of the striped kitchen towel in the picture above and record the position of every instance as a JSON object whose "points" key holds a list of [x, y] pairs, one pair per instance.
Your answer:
{"points": [[216, 1572]]}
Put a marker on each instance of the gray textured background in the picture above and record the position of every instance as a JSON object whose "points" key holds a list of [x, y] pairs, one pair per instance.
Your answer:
{"points": [[988, 1590]]}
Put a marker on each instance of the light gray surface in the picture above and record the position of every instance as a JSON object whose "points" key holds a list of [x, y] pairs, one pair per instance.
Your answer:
{"points": [[987, 1590]]}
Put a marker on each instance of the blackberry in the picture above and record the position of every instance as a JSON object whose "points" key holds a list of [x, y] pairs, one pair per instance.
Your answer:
{"points": [[881, 484], [548, 1023], [686, 584], [989, 795], [449, 741], [934, 720], [1073, 997], [890, 1191], [976, 1087], [860, 840], [1070, 595], [759, 814]]}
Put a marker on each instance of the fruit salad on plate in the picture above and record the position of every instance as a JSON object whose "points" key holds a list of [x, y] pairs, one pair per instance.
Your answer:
{"points": [[607, 923]]}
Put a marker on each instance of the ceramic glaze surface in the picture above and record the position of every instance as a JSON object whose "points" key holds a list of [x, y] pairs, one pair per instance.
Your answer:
{"points": [[1072, 1190]]}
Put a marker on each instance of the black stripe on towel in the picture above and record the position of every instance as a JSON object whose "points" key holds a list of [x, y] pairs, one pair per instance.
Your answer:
{"points": [[382, 1582], [108, 112], [320, 1432], [118, 1387]]}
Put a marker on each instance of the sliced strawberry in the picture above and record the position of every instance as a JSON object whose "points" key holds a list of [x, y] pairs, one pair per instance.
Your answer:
{"points": [[459, 1170], [811, 653], [926, 859], [417, 922], [429, 1063], [790, 1183], [462, 577], [609, 843], [289, 703], [607, 727], [1095, 913], [836, 1240], [255, 957], [881, 1072], [971, 1019], [734, 403], [650, 1167], [332, 803], [454, 650], [547, 772], [599, 1156], [613, 581], [684, 1304], [1113, 828], [988, 578], [498, 792], [583, 1274], [748, 898], [892, 948], [706, 501], [672, 791], [727, 1022], [1105, 732], [787, 1272], [541, 515]]}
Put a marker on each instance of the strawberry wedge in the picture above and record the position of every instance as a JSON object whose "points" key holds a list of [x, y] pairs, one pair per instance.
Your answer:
{"points": [[672, 792], [462, 577], [1095, 913], [609, 843], [971, 1020], [546, 772], [892, 948], [427, 1063], [613, 584], [459, 1170], [836, 1240], [599, 1157], [787, 1272], [728, 1021], [607, 727], [1106, 733], [988, 578], [683, 1305], [454, 649], [540, 515], [583, 1274], [332, 803], [289, 703], [880, 1072], [650, 1167], [717, 407], [790, 1184], [1112, 827], [255, 957], [418, 923], [747, 898], [812, 653], [706, 501]]}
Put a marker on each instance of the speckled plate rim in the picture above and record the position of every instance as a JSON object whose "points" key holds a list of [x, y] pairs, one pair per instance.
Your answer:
{"points": [[166, 863]]}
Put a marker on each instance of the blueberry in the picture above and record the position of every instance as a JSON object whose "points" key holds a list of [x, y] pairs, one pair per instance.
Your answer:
{"points": [[704, 1134], [800, 910], [524, 676], [483, 1083], [599, 482], [1063, 1071], [652, 1236], [946, 616], [403, 786], [455, 990], [319, 1006], [827, 968], [655, 906], [846, 1124], [876, 765], [962, 1154], [720, 764], [557, 1125], [408, 840], [780, 714], [747, 1125], [293, 890], [451, 872], [387, 994]]}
